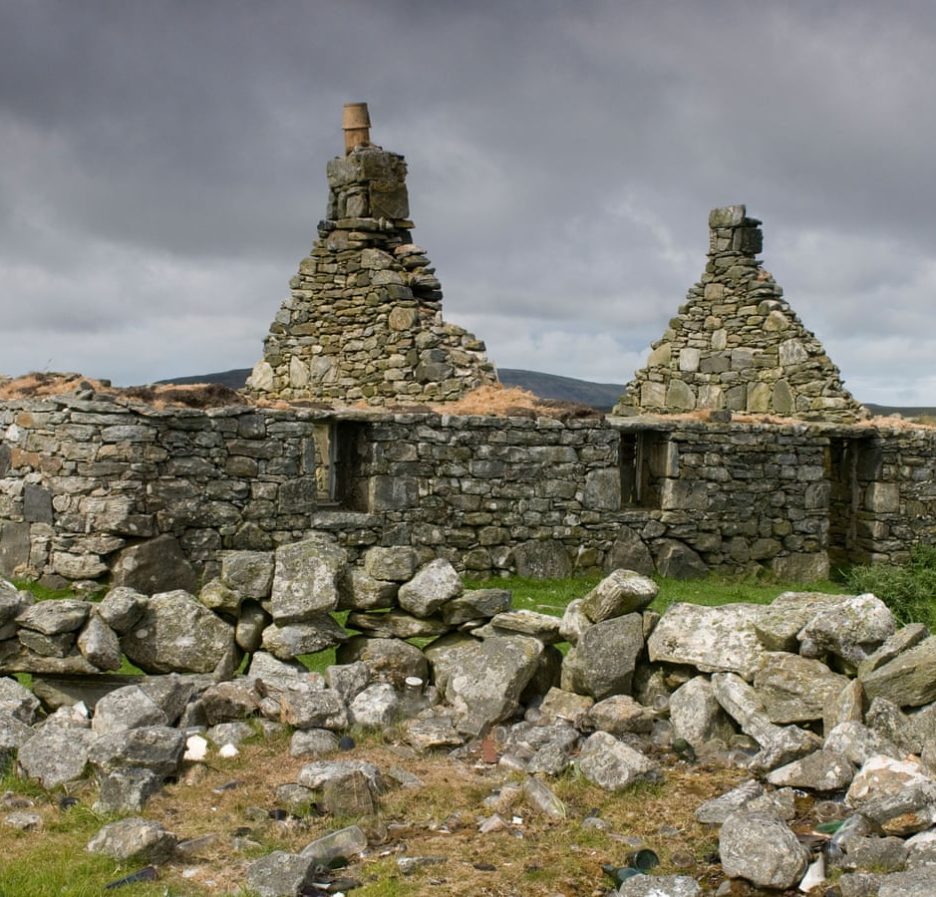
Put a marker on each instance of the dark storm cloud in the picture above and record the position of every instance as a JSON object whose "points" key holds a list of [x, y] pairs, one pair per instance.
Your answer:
{"points": [[163, 170]]}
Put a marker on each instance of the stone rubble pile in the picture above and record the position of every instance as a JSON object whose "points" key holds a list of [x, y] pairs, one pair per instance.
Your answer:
{"points": [[823, 699]]}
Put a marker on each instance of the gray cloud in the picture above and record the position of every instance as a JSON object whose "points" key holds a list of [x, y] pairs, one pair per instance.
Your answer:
{"points": [[163, 170]]}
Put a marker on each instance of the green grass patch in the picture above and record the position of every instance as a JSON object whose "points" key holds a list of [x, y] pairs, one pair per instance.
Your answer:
{"points": [[909, 590]]}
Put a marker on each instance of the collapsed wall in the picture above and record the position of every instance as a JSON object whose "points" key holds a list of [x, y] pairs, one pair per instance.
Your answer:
{"points": [[363, 322], [737, 345]]}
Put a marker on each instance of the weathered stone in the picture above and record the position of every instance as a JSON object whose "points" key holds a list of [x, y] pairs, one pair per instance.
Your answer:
{"points": [[121, 608], [394, 564], [913, 883], [249, 573], [360, 591], [312, 742], [134, 839], [377, 706], [559, 705], [55, 756], [795, 689], [126, 708], [696, 714], [274, 675], [55, 617], [909, 680], [18, 701], [126, 790], [852, 629], [613, 765], [621, 592], [619, 715], [486, 680], [761, 849], [859, 743], [396, 624], [542, 560], [349, 679], [215, 595], [157, 748], [845, 706], [434, 730], [99, 645], [875, 854], [434, 585], [660, 886], [778, 625], [157, 565], [305, 582], [227, 701], [475, 604], [177, 633], [885, 718], [314, 634], [716, 810], [711, 639], [389, 659], [280, 874], [603, 661], [574, 622], [630, 552], [248, 633], [342, 844], [544, 627], [820, 771], [307, 707]]}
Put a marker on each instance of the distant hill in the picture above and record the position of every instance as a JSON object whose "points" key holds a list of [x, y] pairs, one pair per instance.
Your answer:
{"points": [[602, 396]]}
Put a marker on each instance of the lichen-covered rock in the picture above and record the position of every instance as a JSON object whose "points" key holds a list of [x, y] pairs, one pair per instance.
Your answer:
{"points": [[712, 639], [307, 707], [314, 634], [795, 689], [852, 629], [139, 840], [157, 565], [249, 573], [126, 708], [603, 661], [396, 563], [696, 714], [820, 771], [18, 701], [620, 714], [475, 604], [613, 765], [431, 587], [99, 644], [306, 577], [779, 624], [157, 748], [121, 607], [358, 590], [620, 592], [377, 706], [55, 617], [762, 849], [386, 658], [55, 756], [909, 680], [177, 633]]}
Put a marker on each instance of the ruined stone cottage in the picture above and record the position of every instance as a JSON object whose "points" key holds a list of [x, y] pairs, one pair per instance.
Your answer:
{"points": [[776, 468]]}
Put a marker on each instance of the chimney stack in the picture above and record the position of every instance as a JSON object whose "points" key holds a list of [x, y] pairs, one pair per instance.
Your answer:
{"points": [[356, 125]]}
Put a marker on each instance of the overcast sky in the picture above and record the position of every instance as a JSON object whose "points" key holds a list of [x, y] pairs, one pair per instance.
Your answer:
{"points": [[162, 171]]}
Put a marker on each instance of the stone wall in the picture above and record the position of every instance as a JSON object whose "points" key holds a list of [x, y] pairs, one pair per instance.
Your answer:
{"points": [[364, 321], [737, 345], [85, 483]]}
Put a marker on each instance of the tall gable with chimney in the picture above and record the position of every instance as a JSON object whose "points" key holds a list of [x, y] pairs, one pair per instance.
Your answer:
{"points": [[363, 322], [736, 344]]}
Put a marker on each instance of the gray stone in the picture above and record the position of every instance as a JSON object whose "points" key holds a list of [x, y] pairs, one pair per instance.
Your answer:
{"points": [[312, 742], [178, 634], [248, 633], [275, 675], [215, 595], [55, 756], [712, 639], [696, 714], [795, 689], [716, 810], [820, 771], [228, 701], [762, 849], [902, 640], [230, 733], [778, 625], [18, 701], [574, 622], [621, 592], [434, 730], [126, 708], [249, 573], [54, 646], [121, 608], [861, 884], [349, 795], [613, 765], [914, 883], [280, 874], [857, 742], [305, 582], [171, 693], [909, 680], [306, 707], [23, 820], [134, 839], [852, 629], [349, 679], [846, 706], [157, 748], [677, 560], [548, 559], [289, 640], [475, 604], [885, 718], [342, 844], [14, 547], [389, 659], [875, 854], [377, 706], [126, 790], [360, 591], [394, 564], [157, 565], [486, 680], [12, 601], [316, 775], [55, 617], [544, 627], [619, 715], [396, 624], [431, 587], [559, 705], [99, 645], [603, 661], [660, 886], [630, 552]]}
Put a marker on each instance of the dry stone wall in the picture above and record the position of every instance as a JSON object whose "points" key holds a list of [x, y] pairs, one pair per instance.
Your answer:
{"points": [[364, 321], [94, 489], [737, 345]]}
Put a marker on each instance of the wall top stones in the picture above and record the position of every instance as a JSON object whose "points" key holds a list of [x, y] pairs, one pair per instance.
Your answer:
{"points": [[737, 345], [364, 320]]}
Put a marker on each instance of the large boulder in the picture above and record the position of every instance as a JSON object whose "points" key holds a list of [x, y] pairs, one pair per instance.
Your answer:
{"points": [[386, 658], [762, 849], [779, 624], [602, 663], [306, 579], [696, 714], [712, 639], [909, 680], [56, 755], [614, 765], [852, 629], [486, 680], [177, 633], [795, 689], [288, 640], [434, 585]]}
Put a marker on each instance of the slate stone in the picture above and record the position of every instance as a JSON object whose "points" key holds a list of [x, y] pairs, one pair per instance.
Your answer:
{"points": [[157, 565], [55, 756], [55, 617], [762, 849]]}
